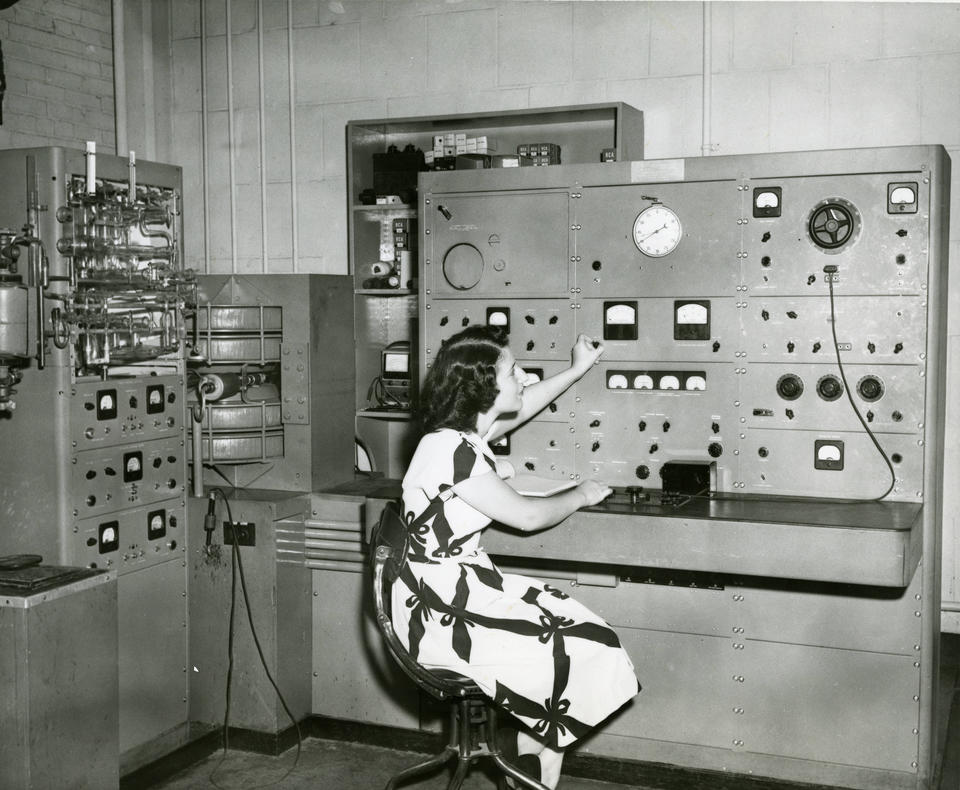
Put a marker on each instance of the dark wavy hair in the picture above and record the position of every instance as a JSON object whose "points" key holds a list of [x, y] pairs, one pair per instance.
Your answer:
{"points": [[462, 382]]}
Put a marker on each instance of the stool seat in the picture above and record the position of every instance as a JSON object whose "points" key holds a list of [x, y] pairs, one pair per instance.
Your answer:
{"points": [[468, 687]]}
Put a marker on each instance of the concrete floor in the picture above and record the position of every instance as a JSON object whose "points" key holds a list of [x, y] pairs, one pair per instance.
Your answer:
{"points": [[347, 765], [333, 765]]}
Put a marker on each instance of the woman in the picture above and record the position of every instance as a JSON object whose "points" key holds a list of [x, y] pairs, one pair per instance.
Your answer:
{"points": [[546, 659]]}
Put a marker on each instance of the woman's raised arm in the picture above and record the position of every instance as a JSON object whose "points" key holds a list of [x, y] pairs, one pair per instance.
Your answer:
{"points": [[586, 351]]}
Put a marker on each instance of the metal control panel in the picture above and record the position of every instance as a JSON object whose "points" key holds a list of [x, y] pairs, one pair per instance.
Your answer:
{"points": [[774, 333], [716, 286], [93, 468]]}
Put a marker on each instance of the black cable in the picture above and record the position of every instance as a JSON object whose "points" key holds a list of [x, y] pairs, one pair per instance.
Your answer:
{"points": [[384, 398], [231, 632], [263, 660], [235, 563], [214, 492], [843, 377]]}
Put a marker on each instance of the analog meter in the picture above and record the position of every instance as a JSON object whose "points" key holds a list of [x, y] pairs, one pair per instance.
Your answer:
{"points": [[657, 231]]}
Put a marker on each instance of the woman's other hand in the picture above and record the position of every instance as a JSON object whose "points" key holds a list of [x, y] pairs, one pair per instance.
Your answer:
{"points": [[593, 492], [586, 351]]}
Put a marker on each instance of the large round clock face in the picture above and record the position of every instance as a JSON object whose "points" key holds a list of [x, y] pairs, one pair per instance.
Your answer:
{"points": [[657, 231]]}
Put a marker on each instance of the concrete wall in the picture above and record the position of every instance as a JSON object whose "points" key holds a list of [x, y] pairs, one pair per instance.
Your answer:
{"points": [[785, 76]]}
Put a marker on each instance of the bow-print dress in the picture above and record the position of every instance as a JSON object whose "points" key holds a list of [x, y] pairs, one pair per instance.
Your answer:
{"points": [[538, 653]]}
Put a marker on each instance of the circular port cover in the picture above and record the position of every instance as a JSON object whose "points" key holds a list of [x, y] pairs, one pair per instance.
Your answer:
{"points": [[870, 388], [789, 386], [463, 266], [829, 387]]}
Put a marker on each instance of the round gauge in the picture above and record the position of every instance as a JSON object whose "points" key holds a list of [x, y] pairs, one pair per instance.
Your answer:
{"points": [[657, 231]]}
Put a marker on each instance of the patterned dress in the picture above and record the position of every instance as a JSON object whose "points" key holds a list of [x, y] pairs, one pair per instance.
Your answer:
{"points": [[539, 654]]}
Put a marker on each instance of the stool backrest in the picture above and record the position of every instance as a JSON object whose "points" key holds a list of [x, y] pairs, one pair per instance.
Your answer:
{"points": [[389, 542]]}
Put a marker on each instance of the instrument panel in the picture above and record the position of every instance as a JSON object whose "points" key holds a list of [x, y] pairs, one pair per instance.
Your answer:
{"points": [[768, 317]]}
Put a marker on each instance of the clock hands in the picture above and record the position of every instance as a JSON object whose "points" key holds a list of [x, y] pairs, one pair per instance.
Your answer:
{"points": [[652, 233]]}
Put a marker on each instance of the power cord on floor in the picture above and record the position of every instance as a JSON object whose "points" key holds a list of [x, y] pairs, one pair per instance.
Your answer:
{"points": [[236, 562]]}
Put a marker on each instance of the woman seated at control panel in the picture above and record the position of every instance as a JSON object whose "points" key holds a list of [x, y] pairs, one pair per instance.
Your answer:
{"points": [[554, 665]]}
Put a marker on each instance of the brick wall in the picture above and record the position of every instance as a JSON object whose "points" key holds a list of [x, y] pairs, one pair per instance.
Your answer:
{"points": [[58, 59]]}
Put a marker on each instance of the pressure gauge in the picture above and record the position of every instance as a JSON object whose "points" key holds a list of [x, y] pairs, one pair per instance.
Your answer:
{"points": [[657, 231]]}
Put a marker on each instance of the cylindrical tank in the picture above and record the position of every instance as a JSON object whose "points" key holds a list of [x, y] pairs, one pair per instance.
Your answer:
{"points": [[14, 316]]}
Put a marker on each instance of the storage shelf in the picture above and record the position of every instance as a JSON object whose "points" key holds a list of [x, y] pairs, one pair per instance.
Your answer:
{"points": [[385, 414], [387, 315], [375, 213]]}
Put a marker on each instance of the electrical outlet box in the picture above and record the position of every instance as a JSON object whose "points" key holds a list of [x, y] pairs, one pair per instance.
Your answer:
{"points": [[241, 533]]}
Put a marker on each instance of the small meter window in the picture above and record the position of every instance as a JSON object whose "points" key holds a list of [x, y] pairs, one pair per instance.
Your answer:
{"points": [[903, 195], [692, 313], [132, 466], [620, 320], [396, 363], [616, 381], [768, 200], [106, 404], [669, 382], [621, 314], [643, 382], [155, 399]]}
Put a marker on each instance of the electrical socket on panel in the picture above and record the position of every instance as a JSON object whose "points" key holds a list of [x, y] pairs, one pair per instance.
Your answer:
{"points": [[241, 533]]}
